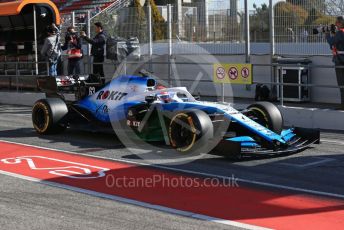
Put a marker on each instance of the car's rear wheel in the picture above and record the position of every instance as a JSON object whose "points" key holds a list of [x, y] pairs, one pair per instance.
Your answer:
{"points": [[47, 115], [190, 131], [268, 115]]}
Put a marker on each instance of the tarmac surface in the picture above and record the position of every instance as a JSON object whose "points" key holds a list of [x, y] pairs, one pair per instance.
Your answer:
{"points": [[317, 171]]}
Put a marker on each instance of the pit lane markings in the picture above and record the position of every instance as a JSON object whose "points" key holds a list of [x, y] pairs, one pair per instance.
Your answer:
{"points": [[332, 141], [248, 181], [24, 167], [138, 203], [58, 167], [321, 160], [276, 210], [91, 150]]}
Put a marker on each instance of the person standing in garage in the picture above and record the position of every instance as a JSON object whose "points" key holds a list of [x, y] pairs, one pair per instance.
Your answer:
{"points": [[97, 50], [336, 40], [51, 49], [74, 52]]}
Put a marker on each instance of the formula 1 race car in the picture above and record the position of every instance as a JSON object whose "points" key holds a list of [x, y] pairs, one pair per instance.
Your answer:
{"points": [[152, 112]]}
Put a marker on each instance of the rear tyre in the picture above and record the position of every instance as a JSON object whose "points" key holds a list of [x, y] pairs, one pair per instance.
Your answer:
{"points": [[47, 115], [268, 115], [190, 131]]}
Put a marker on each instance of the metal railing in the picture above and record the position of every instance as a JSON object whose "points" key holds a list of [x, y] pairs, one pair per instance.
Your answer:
{"points": [[19, 82], [277, 80], [112, 8], [19, 78]]}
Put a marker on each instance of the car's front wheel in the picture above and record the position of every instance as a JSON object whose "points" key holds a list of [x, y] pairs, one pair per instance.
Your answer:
{"points": [[190, 131], [268, 115]]}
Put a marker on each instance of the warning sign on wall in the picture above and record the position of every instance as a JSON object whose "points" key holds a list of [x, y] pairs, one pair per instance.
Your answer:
{"points": [[233, 73]]}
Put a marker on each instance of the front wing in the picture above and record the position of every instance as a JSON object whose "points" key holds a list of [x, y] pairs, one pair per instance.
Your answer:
{"points": [[297, 139]]}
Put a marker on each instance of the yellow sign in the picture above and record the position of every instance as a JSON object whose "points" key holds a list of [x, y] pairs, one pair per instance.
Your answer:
{"points": [[232, 73]]}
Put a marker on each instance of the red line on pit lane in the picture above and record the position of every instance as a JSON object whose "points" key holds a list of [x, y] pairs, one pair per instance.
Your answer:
{"points": [[242, 204]]}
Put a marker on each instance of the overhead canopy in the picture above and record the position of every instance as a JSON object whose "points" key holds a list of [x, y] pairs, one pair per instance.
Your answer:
{"points": [[17, 22], [15, 8]]}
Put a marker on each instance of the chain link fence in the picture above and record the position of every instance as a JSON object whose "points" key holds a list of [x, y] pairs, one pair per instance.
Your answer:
{"points": [[125, 22], [219, 27], [219, 30], [195, 24], [300, 27]]}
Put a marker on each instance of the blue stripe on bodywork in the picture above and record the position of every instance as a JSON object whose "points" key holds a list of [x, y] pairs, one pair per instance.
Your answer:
{"points": [[241, 139], [249, 144], [245, 141], [288, 134]]}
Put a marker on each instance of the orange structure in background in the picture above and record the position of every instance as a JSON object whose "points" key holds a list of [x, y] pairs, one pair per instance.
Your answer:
{"points": [[15, 7], [23, 26]]}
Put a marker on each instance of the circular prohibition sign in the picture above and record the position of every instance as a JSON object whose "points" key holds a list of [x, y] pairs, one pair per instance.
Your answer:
{"points": [[245, 72], [233, 73], [220, 73]]}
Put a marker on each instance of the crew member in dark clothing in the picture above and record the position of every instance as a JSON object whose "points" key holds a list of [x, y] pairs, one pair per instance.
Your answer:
{"points": [[97, 50], [74, 53], [336, 41]]}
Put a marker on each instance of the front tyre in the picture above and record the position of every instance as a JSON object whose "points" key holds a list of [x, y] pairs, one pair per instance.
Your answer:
{"points": [[268, 115], [191, 131], [47, 115]]}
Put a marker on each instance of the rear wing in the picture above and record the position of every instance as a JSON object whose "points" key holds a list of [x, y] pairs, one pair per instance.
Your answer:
{"points": [[66, 86], [47, 85]]}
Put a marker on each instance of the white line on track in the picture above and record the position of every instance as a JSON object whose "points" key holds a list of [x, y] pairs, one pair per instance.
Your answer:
{"points": [[338, 142], [321, 160], [248, 181], [138, 203]]}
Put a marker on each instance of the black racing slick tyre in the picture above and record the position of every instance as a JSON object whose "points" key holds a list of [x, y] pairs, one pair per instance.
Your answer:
{"points": [[268, 115], [47, 115], [190, 131]]}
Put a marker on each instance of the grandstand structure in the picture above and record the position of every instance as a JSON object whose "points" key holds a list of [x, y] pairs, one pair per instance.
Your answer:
{"points": [[67, 6]]}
